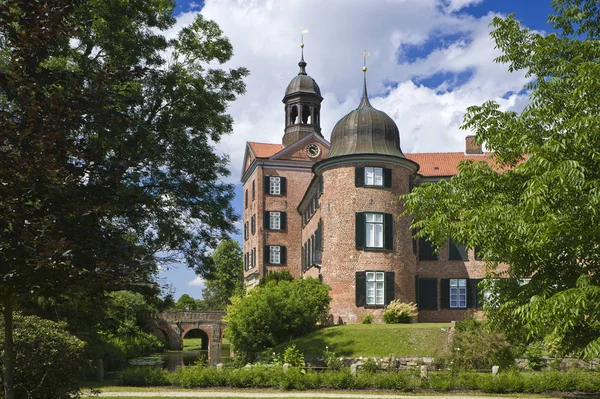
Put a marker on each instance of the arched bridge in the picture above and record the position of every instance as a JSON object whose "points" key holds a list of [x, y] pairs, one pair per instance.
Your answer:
{"points": [[173, 326]]}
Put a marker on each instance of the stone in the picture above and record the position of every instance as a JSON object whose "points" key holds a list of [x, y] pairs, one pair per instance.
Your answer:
{"points": [[424, 372]]}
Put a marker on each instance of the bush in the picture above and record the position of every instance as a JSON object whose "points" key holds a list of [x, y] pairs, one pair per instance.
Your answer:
{"points": [[144, 376], [49, 362], [275, 313], [367, 319], [399, 312], [333, 362]]}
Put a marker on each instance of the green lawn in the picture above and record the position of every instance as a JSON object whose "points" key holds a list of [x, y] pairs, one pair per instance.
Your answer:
{"points": [[375, 340], [192, 344]]}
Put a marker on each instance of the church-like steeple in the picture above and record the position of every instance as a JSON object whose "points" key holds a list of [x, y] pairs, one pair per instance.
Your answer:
{"points": [[302, 106]]}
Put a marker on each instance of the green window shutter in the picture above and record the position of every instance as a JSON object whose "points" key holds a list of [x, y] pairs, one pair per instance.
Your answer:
{"points": [[266, 184], [361, 289], [457, 251], [283, 220], [360, 230], [387, 177], [283, 185], [428, 297], [426, 250], [388, 231], [445, 293], [266, 253], [283, 255], [319, 236], [359, 176], [390, 287], [266, 219], [474, 297]]}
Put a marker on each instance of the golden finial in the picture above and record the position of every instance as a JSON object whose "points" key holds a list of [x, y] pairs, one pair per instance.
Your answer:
{"points": [[304, 30], [365, 55]]}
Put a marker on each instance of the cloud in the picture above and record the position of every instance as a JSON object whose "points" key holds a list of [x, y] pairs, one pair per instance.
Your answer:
{"points": [[197, 282], [429, 61]]}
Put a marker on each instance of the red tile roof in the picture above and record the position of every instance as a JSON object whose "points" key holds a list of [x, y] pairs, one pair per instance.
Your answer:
{"points": [[265, 150], [444, 163]]}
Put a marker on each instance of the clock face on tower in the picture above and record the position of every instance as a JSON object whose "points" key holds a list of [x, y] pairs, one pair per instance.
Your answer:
{"points": [[313, 150]]}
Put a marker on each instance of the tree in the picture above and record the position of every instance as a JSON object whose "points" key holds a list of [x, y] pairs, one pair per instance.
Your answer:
{"points": [[105, 147], [227, 277], [186, 303], [275, 313], [537, 207]]}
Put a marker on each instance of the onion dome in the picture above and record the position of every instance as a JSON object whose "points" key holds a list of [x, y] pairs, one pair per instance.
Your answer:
{"points": [[302, 83], [365, 130]]}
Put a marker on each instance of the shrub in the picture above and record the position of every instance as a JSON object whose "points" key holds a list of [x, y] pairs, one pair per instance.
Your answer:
{"points": [[367, 319], [399, 312], [370, 366], [275, 313], [144, 376], [49, 362], [331, 360]]}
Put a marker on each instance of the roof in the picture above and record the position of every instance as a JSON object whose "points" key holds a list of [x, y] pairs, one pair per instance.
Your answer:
{"points": [[444, 163], [264, 150]]}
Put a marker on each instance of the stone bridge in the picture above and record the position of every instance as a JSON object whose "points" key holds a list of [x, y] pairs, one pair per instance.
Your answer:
{"points": [[172, 326]]}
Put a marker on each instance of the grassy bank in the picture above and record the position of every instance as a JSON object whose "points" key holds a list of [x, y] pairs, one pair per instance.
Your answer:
{"points": [[375, 340]]}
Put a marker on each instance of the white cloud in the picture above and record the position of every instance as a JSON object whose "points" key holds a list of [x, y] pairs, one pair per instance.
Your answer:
{"points": [[197, 282], [266, 33]]}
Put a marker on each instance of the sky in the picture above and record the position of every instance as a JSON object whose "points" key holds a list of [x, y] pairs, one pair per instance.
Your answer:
{"points": [[430, 60]]}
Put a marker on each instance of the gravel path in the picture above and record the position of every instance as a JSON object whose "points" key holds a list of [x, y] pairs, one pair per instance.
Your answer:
{"points": [[237, 394]]}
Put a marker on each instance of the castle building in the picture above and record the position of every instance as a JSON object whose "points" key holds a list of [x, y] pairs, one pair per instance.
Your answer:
{"points": [[330, 210]]}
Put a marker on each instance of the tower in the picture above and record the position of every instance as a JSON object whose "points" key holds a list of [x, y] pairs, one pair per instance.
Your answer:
{"points": [[302, 106]]}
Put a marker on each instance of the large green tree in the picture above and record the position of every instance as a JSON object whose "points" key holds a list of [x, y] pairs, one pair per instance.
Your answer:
{"points": [[106, 158], [227, 277], [537, 208]]}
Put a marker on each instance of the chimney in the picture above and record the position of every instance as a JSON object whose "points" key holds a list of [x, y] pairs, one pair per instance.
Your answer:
{"points": [[471, 148]]}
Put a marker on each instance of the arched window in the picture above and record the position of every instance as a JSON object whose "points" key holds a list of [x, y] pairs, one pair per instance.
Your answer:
{"points": [[306, 115], [294, 115]]}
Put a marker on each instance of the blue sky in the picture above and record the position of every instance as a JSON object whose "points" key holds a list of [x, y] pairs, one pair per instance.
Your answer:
{"points": [[430, 60]]}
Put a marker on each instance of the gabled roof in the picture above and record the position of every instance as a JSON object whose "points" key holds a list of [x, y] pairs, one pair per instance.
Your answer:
{"points": [[444, 163], [264, 150]]}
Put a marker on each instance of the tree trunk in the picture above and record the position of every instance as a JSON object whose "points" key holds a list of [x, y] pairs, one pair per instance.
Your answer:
{"points": [[9, 355]]}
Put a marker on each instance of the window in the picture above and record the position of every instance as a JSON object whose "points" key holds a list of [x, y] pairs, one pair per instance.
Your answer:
{"points": [[246, 261], [458, 293], [371, 176], [246, 199], [427, 293], [374, 288], [275, 220], [253, 190], [457, 251], [275, 255], [275, 185], [246, 231], [253, 260], [374, 231], [253, 224], [426, 250]]}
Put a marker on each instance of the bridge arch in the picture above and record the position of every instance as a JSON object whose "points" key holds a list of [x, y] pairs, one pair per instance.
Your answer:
{"points": [[175, 325]]}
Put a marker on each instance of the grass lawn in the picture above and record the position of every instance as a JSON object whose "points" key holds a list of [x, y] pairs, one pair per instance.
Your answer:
{"points": [[375, 340], [192, 344]]}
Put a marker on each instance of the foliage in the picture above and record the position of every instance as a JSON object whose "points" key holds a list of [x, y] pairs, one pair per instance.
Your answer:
{"points": [[399, 312], [475, 346], [277, 276], [186, 303], [275, 313], [332, 361], [227, 277], [370, 365], [366, 319], [144, 377], [536, 206], [50, 362], [107, 146]]}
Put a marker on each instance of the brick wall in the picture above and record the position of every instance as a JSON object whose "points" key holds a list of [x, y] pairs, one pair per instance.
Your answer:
{"points": [[341, 260]]}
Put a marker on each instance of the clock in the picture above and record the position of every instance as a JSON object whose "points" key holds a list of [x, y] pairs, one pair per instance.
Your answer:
{"points": [[313, 150]]}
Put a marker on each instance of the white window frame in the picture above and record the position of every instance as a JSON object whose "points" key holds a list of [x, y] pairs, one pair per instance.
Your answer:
{"points": [[458, 293], [374, 230], [375, 288], [373, 176], [274, 185], [275, 220], [274, 254]]}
